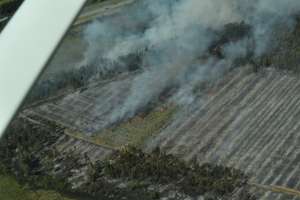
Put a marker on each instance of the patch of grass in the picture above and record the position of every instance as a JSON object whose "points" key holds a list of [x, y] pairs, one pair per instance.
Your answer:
{"points": [[10, 189], [4, 2], [132, 132]]}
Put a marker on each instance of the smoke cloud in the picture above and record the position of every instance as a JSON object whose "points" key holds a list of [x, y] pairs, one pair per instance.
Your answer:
{"points": [[175, 37]]}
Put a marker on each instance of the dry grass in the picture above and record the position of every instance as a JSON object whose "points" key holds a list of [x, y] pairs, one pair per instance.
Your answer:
{"points": [[132, 132]]}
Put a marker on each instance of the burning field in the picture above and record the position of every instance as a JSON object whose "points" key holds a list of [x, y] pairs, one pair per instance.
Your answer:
{"points": [[203, 93]]}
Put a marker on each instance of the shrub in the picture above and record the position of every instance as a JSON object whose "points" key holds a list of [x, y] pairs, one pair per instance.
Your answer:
{"points": [[160, 168]]}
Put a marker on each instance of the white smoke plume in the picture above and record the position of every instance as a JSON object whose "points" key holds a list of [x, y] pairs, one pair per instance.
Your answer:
{"points": [[175, 35]]}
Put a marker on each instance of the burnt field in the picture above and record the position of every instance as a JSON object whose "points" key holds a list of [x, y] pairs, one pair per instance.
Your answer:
{"points": [[248, 121]]}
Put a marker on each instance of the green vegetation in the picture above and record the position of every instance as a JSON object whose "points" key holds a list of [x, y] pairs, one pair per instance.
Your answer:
{"points": [[284, 49], [4, 2], [127, 174], [132, 164], [79, 78], [138, 129], [27, 160], [10, 189], [68, 79], [26, 163], [24, 156], [231, 32], [132, 132]]}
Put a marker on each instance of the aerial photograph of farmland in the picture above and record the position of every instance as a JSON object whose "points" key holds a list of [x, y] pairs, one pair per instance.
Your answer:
{"points": [[162, 100]]}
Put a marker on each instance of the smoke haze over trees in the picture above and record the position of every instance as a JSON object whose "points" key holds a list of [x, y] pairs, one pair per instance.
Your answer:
{"points": [[184, 42]]}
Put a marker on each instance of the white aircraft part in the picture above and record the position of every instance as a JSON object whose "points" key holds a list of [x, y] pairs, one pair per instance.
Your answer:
{"points": [[26, 45]]}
